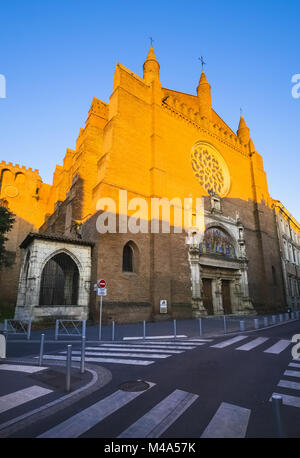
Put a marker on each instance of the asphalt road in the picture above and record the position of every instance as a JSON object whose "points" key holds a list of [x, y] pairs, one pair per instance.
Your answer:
{"points": [[204, 391]]}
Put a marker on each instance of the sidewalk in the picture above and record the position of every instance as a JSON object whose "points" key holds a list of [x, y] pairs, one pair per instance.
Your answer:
{"points": [[28, 390]]}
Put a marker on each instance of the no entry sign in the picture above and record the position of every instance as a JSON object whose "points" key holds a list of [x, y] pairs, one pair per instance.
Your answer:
{"points": [[101, 283]]}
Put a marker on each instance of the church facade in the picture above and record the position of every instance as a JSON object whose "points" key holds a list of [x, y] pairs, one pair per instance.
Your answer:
{"points": [[149, 145]]}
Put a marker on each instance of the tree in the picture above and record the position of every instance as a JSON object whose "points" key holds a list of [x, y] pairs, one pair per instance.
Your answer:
{"points": [[7, 219]]}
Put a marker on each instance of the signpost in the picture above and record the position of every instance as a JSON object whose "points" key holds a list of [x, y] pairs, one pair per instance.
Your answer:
{"points": [[101, 290]]}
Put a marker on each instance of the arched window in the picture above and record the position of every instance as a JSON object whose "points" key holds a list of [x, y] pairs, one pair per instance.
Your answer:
{"points": [[127, 258], [60, 281], [217, 242], [130, 257]]}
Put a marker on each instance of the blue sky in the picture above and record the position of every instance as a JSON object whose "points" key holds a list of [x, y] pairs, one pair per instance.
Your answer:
{"points": [[57, 55]]}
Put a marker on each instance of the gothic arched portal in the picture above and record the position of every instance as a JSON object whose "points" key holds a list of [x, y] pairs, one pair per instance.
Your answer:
{"points": [[60, 281]]}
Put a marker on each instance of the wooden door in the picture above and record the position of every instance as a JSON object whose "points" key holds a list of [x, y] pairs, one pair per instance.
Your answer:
{"points": [[226, 297], [207, 296]]}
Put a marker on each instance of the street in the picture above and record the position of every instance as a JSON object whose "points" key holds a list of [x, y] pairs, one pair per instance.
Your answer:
{"points": [[195, 387]]}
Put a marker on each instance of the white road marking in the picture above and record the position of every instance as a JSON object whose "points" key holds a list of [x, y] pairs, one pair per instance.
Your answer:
{"points": [[278, 347], [83, 421], [151, 346], [201, 340], [161, 417], [292, 373], [134, 355], [171, 343], [134, 362], [228, 342], [288, 384], [9, 401], [253, 344], [230, 421], [19, 368], [295, 365], [293, 401], [135, 348], [155, 337]]}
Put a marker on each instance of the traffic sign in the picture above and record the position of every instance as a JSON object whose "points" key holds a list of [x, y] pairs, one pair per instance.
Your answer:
{"points": [[101, 292], [101, 283]]}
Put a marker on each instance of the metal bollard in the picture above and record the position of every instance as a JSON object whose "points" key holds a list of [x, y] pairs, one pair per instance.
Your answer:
{"points": [[276, 406], [175, 333], [256, 323], [68, 367], [56, 329], [225, 325], [144, 329], [286, 316], [242, 326], [292, 315], [280, 317], [113, 331], [41, 349], [82, 361], [273, 319], [266, 321], [200, 327], [5, 331], [84, 328], [29, 330]]}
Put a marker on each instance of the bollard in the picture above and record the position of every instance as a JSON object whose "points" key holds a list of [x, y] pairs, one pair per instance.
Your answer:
{"points": [[68, 367], [174, 329], [256, 323], [113, 331], [29, 330], [225, 325], [200, 327], [286, 316], [292, 315], [5, 329], [266, 321], [276, 406], [242, 326], [144, 329], [41, 349], [82, 361], [84, 328], [280, 317], [56, 329], [273, 319]]}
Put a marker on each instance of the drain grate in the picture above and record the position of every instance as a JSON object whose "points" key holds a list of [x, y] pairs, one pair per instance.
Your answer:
{"points": [[134, 385]]}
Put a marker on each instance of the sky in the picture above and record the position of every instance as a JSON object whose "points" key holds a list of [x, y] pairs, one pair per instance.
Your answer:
{"points": [[57, 55]]}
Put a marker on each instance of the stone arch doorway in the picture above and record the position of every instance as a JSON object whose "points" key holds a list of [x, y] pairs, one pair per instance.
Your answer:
{"points": [[59, 281]]}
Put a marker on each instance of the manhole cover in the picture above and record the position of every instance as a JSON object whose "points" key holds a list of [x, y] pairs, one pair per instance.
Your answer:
{"points": [[135, 385]]}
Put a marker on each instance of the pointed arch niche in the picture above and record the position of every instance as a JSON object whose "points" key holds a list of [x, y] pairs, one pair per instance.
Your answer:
{"points": [[55, 278]]}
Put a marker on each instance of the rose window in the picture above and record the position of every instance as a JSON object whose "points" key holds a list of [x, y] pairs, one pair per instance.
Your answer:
{"points": [[210, 169]]}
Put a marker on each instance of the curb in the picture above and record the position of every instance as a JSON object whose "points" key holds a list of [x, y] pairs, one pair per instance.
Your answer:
{"points": [[100, 378]]}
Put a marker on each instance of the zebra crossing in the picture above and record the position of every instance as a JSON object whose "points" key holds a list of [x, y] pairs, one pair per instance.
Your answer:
{"points": [[228, 421], [147, 352], [254, 343], [24, 396], [291, 386], [138, 353]]}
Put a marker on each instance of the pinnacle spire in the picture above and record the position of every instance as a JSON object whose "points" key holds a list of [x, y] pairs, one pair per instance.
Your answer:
{"points": [[151, 54], [204, 96], [243, 131], [151, 66]]}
